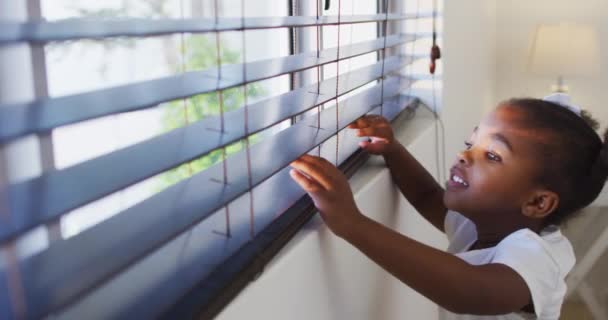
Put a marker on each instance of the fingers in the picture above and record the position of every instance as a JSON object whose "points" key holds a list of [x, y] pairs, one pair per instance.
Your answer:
{"points": [[364, 121], [374, 146], [307, 184], [380, 132], [328, 168], [367, 121], [316, 168]]}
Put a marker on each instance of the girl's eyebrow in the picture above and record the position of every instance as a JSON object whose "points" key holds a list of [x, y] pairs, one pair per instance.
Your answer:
{"points": [[500, 137]]}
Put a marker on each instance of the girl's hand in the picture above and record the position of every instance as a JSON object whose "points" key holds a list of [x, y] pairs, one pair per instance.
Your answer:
{"points": [[379, 130], [330, 191]]}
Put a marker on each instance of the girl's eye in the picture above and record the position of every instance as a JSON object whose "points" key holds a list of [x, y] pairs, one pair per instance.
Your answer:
{"points": [[468, 145], [493, 157]]}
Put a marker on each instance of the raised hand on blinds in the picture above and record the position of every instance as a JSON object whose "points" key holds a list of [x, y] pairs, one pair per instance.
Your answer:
{"points": [[380, 132], [330, 191]]}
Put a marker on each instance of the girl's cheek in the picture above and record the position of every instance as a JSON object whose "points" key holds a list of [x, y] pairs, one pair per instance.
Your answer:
{"points": [[484, 180]]}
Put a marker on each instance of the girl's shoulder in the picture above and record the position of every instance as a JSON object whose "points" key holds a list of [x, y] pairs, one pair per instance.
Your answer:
{"points": [[550, 246], [550, 243], [542, 260]]}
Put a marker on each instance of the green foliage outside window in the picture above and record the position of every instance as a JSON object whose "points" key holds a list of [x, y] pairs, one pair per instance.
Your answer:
{"points": [[201, 54]]}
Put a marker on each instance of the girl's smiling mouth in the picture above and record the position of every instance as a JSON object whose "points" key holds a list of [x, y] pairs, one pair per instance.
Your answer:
{"points": [[457, 180]]}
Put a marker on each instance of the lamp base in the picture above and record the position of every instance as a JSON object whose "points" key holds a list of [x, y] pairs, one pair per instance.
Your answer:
{"points": [[560, 87], [556, 88]]}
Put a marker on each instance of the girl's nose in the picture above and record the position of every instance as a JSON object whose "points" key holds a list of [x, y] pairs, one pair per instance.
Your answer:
{"points": [[464, 157]]}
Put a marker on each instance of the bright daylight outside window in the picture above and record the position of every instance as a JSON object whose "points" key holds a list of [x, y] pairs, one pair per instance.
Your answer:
{"points": [[85, 65]]}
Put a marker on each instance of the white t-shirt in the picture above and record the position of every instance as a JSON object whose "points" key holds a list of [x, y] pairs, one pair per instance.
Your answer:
{"points": [[543, 261]]}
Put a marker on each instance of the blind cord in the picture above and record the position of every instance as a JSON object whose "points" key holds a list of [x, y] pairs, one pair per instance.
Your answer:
{"points": [[220, 99], [384, 32], [435, 50], [318, 71], [183, 69], [247, 143], [412, 111], [410, 79], [338, 82], [435, 55], [182, 251]]}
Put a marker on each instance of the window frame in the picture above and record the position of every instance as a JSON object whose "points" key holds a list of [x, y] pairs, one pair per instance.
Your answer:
{"points": [[251, 255]]}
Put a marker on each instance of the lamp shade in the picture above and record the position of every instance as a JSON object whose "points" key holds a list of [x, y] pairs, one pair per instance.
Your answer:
{"points": [[565, 50]]}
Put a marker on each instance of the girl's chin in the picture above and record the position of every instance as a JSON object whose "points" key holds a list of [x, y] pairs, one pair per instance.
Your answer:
{"points": [[454, 202]]}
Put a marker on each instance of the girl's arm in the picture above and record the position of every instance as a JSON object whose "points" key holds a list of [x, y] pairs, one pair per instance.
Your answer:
{"points": [[416, 184], [445, 279]]}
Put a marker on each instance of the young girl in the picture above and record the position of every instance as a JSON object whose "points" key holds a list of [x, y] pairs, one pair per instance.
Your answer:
{"points": [[528, 166]]}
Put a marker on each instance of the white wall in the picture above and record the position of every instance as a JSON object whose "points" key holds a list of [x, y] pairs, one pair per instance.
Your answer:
{"points": [[517, 19], [469, 68]]}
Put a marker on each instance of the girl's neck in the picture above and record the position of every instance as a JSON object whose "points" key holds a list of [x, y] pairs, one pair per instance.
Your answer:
{"points": [[490, 235]]}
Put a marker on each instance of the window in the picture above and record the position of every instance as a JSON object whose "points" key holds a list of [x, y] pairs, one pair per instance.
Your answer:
{"points": [[162, 131]]}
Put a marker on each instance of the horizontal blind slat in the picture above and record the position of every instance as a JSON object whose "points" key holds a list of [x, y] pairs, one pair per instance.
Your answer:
{"points": [[41, 116], [83, 28], [54, 193], [61, 273]]}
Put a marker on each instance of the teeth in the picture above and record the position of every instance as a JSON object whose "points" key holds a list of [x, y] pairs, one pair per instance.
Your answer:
{"points": [[458, 179]]}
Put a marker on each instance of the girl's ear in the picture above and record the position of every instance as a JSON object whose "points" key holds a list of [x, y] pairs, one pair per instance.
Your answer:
{"points": [[540, 204]]}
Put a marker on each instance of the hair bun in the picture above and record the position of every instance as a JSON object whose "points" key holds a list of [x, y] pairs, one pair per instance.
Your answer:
{"points": [[601, 164], [563, 100]]}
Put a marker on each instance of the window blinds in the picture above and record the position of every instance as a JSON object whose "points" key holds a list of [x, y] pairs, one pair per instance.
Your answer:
{"points": [[77, 275]]}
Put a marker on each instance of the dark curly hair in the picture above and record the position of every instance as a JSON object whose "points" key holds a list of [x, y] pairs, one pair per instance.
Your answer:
{"points": [[574, 156]]}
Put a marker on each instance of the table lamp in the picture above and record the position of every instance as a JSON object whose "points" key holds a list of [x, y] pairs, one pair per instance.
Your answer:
{"points": [[564, 49]]}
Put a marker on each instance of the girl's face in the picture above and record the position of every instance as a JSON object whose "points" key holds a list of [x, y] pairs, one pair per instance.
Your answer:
{"points": [[495, 172]]}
